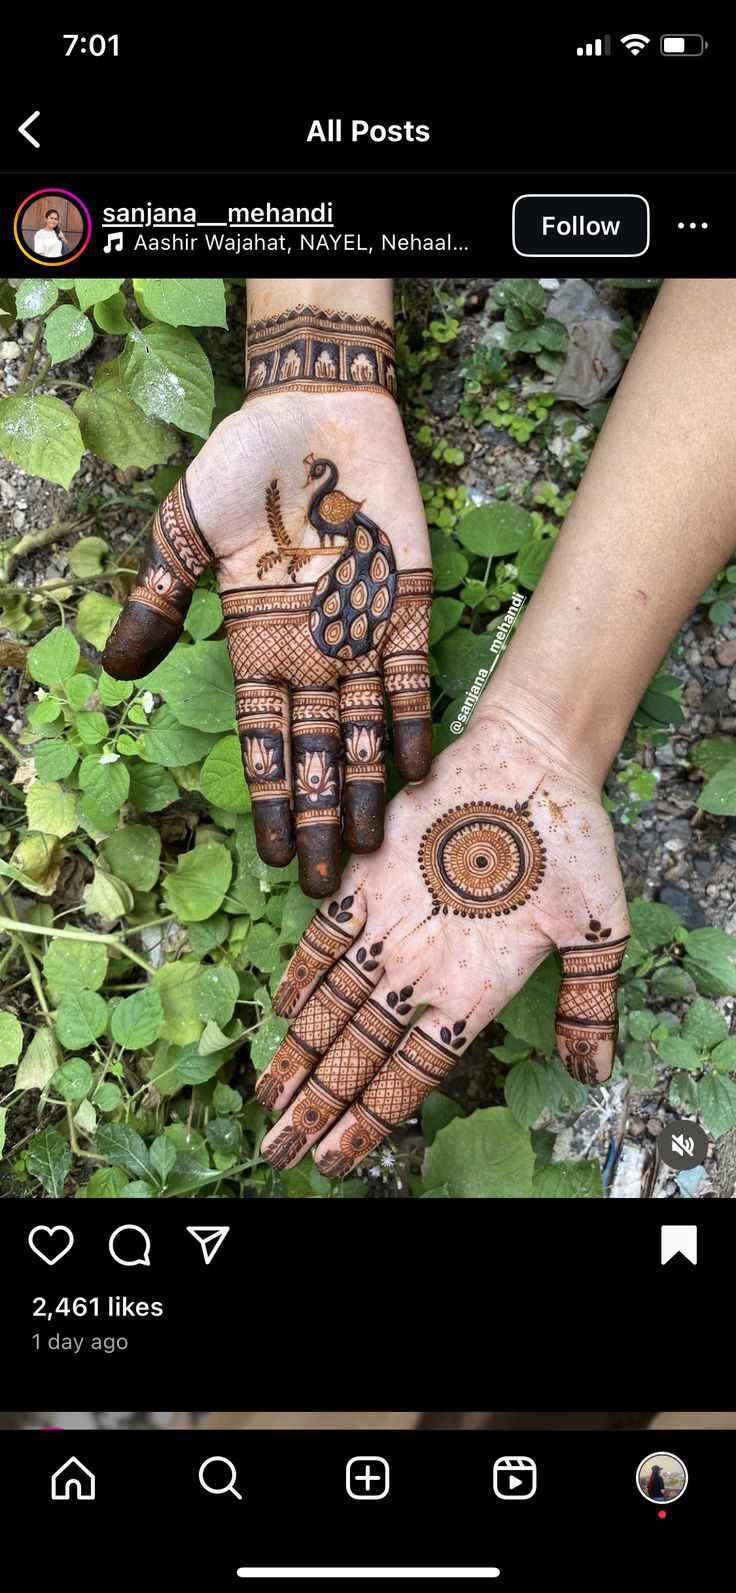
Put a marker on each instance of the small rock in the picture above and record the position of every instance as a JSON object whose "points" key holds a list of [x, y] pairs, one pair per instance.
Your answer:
{"points": [[684, 903], [665, 755], [726, 654], [708, 662], [692, 695], [655, 1126], [702, 866], [732, 689], [592, 364], [677, 870], [9, 350]]}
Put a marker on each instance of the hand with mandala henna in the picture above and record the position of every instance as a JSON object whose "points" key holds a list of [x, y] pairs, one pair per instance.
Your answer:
{"points": [[505, 851], [306, 502]]}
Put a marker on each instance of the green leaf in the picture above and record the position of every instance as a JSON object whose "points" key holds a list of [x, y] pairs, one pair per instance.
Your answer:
{"points": [[713, 754], [175, 985], [107, 783], [75, 964], [49, 1160], [438, 1110], [450, 566], [192, 1068], [526, 1089], [683, 1092], [51, 809], [222, 780], [205, 613], [54, 760], [530, 1015], [92, 290], [44, 712], [96, 616], [719, 795], [568, 1180], [653, 924], [112, 691], [151, 787], [162, 1156], [723, 1055], [138, 1020], [81, 1019], [73, 1080], [189, 1176], [495, 529], [200, 882], [34, 297], [216, 990], [640, 1024], [226, 1100], [526, 292], [41, 434], [717, 1103], [266, 1042], [531, 560], [136, 1190], [224, 1135], [107, 896], [487, 1156], [107, 1097], [704, 1026], [672, 983], [208, 934], [122, 1147], [54, 658], [11, 1039], [167, 373], [298, 910], [112, 316], [708, 957], [115, 428], [446, 615], [92, 726], [106, 1184], [186, 301], [39, 1062], [133, 854], [262, 948], [459, 657], [68, 332], [677, 1053], [197, 682], [172, 744]]}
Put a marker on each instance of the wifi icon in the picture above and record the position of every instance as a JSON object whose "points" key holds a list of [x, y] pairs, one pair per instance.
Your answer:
{"points": [[635, 42]]}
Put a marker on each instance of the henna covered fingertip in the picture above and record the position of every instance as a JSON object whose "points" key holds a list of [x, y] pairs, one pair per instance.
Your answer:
{"points": [[273, 823], [413, 748], [320, 859], [364, 812], [140, 641]]}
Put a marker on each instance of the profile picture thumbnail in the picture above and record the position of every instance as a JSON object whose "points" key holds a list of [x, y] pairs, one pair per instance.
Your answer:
{"points": [[52, 226], [661, 1478]]}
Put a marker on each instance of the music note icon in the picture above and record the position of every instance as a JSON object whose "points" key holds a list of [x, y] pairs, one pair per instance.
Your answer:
{"points": [[115, 241]]}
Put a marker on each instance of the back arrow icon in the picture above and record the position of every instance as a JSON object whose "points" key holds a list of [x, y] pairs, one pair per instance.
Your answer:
{"points": [[24, 126]]}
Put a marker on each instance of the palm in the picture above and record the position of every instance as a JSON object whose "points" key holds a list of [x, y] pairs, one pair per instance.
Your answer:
{"points": [[311, 514], [497, 857]]}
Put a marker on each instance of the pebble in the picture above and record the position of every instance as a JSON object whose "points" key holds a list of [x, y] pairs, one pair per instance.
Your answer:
{"points": [[726, 654], [684, 903], [9, 350], [692, 695], [732, 689]]}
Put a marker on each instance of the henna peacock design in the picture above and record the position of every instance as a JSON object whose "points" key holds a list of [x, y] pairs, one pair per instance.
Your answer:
{"points": [[351, 603]]}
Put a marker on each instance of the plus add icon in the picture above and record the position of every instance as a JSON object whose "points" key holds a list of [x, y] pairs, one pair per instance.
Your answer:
{"points": [[366, 1477]]}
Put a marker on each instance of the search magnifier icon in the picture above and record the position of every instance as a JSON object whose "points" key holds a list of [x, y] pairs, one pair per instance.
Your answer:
{"points": [[219, 1460]]}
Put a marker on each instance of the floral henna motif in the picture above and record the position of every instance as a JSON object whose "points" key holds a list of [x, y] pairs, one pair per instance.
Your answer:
{"points": [[312, 350], [320, 946], [587, 1019], [482, 859], [355, 1142], [312, 1114]]}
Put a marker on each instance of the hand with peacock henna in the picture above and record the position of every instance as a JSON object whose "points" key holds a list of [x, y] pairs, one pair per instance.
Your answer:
{"points": [[425, 942], [307, 504]]}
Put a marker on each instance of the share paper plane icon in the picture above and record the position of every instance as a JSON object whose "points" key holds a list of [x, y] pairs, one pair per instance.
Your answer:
{"points": [[210, 1239]]}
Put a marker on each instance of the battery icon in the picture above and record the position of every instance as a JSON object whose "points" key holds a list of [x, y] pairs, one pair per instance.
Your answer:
{"points": [[682, 44]]}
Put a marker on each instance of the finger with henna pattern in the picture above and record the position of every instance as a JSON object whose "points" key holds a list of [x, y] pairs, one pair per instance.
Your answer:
{"points": [[406, 674], [339, 995], [364, 739], [316, 748], [262, 711], [586, 1021], [328, 935], [153, 617]]}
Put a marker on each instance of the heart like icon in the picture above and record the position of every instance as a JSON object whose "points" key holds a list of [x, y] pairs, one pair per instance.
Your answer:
{"points": [[48, 1236]]}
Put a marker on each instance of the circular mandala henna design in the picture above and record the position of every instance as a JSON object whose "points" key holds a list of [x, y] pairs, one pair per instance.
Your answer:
{"points": [[482, 859]]}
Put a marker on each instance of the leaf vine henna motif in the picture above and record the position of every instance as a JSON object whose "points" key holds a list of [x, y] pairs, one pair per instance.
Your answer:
{"points": [[586, 1023], [482, 859], [153, 617], [311, 350], [310, 1117], [320, 946]]}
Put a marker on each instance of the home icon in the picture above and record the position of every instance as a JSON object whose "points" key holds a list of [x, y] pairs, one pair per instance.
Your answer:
{"points": [[73, 1481]]}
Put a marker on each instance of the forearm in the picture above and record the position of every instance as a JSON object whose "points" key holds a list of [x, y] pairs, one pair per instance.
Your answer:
{"points": [[320, 336], [653, 520]]}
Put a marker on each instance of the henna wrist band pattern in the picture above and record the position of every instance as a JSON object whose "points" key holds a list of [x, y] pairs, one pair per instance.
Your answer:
{"points": [[307, 350]]}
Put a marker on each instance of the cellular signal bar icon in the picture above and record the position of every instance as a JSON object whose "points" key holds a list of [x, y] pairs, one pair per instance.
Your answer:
{"points": [[598, 47]]}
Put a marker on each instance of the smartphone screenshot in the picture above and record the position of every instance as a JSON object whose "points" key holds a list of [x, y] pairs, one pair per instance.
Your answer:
{"points": [[367, 797]]}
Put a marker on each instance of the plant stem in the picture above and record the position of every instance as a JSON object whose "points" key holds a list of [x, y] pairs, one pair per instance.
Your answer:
{"points": [[23, 383], [43, 373], [8, 745], [15, 927]]}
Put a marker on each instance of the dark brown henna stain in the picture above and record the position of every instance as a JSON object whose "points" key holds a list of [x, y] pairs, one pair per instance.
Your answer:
{"points": [[364, 742], [312, 1114], [312, 350], [482, 859], [261, 713], [586, 1021], [359, 1051], [355, 1142], [154, 615], [406, 673], [320, 946]]}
